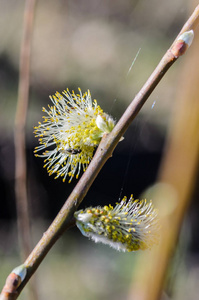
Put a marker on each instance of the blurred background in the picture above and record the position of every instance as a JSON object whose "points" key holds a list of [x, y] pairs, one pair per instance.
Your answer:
{"points": [[91, 44]]}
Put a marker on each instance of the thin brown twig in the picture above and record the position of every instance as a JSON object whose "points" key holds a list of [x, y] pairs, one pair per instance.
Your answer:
{"points": [[20, 122], [23, 219], [176, 180], [104, 151], [182, 151]]}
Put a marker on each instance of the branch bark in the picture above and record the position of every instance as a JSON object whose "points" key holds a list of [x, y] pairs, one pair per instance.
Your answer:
{"points": [[23, 219]]}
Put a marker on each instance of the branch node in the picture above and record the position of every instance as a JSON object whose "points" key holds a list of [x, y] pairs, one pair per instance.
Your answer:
{"points": [[182, 43]]}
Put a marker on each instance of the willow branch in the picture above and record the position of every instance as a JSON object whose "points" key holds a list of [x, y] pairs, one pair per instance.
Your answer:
{"points": [[176, 182], [20, 122], [23, 219], [64, 219]]}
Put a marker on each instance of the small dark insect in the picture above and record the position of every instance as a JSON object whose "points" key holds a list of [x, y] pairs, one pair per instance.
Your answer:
{"points": [[69, 109], [72, 151]]}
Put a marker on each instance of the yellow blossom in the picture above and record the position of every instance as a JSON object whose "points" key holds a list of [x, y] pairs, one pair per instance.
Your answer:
{"points": [[71, 130], [129, 226]]}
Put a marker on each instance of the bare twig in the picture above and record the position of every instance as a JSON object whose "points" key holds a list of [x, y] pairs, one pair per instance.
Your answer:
{"points": [[182, 152], [177, 179], [104, 151], [20, 121], [19, 136]]}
